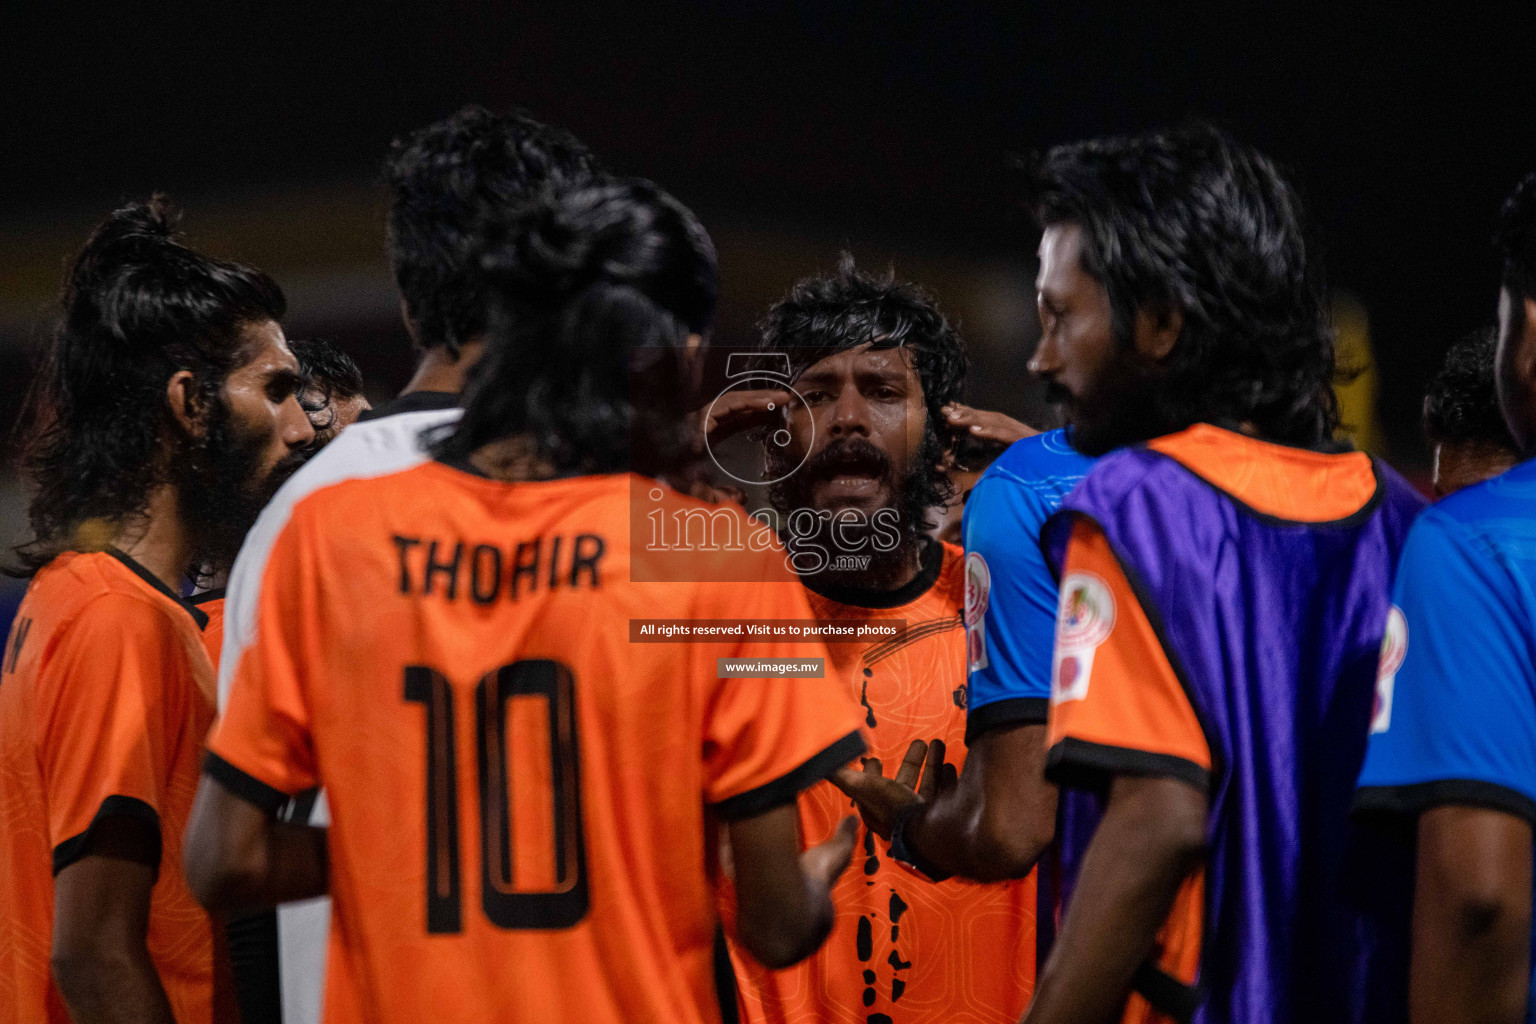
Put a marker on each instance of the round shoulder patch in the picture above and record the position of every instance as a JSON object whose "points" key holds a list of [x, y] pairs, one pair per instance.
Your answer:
{"points": [[1394, 643], [978, 586], [1087, 611]]}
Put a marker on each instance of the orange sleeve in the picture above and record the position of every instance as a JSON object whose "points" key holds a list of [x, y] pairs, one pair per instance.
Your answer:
{"points": [[1117, 705], [109, 742], [768, 739], [261, 748]]}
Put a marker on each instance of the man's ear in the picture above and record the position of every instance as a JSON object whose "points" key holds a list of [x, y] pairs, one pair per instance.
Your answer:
{"points": [[410, 323], [1525, 354], [1157, 331], [184, 403]]}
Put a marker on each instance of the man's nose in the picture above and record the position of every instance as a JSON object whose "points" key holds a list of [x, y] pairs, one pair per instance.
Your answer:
{"points": [[850, 414], [296, 429], [1046, 361]]}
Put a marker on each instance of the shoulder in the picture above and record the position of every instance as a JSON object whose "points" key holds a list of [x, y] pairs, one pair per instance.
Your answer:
{"points": [[1032, 476], [368, 448], [97, 589], [1498, 501], [950, 585], [1045, 460], [1493, 519]]}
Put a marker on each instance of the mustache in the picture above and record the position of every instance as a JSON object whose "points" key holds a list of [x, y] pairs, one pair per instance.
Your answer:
{"points": [[1056, 394], [854, 453], [285, 468]]}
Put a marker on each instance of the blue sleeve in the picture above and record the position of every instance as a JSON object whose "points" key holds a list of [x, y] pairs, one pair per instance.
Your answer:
{"points": [[1010, 605], [1455, 713]]}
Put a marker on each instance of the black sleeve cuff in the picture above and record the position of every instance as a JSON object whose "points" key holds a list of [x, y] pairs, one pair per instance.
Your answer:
{"points": [[148, 852], [785, 788], [1411, 801], [1013, 711], [1079, 764], [247, 787]]}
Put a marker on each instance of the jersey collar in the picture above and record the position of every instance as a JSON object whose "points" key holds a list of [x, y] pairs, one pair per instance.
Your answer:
{"points": [[198, 615]]}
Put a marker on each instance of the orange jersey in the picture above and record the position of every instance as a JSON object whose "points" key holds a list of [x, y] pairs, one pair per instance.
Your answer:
{"points": [[904, 949], [520, 797], [106, 693], [211, 604]]}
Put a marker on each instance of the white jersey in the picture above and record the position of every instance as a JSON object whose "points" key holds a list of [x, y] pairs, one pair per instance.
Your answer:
{"points": [[368, 448]]}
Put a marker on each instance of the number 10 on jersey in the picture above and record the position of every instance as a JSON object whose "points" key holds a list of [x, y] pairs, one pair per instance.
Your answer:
{"points": [[505, 906]]}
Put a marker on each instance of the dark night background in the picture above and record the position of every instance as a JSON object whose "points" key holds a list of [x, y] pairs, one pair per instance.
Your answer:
{"points": [[794, 129]]}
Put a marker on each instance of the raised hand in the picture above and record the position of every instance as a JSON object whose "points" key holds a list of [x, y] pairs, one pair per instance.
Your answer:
{"points": [[880, 799], [987, 425]]}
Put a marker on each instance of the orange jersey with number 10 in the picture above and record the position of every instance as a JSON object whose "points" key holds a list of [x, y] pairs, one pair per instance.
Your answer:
{"points": [[520, 796]]}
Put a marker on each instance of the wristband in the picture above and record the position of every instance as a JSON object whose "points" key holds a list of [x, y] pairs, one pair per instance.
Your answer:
{"points": [[904, 854]]}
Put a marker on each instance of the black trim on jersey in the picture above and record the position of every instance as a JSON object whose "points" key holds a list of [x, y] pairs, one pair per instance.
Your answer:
{"points": [[206, 596], [725, 980], [1000, 713], [1084, 765], [75, 847], [247, 787], [253, 961], [784, 789], [302, 807], [1167, 994], [1412, 800], [198, 615], [413, 401], [862, 597]]}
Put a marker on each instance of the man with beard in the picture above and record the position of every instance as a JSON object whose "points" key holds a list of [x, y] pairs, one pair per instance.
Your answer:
{"points": [[876, 365], [166, 415], [446, 180], [332, 397], [1225, 571]]}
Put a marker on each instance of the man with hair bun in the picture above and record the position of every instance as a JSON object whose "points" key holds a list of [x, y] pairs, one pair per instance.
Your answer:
{"points": [[446, 180], [525, 804], [166, 416]]}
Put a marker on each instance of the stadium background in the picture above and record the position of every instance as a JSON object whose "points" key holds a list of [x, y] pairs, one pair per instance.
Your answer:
{"points": [[793, 128]]}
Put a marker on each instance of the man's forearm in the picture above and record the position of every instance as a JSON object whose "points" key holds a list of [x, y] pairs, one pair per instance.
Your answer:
{"points": [[112, 987], [1151, 837], [1471, 918]]}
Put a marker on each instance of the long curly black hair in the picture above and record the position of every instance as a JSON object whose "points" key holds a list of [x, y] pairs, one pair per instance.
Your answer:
{"points": [[826, 314], [1461, 404], [137, 306], [593, 290], [1193, 220]]}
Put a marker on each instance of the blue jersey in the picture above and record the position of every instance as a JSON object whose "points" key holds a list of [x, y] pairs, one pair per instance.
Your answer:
{"points": [[1010, 593], [1455, 710]]}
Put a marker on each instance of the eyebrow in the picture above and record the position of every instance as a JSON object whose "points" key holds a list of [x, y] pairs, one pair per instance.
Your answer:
{"points": [[286, 376]]}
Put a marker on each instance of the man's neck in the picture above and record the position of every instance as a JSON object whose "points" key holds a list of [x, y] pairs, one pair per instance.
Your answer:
{"points": [[160, 542], [440, 370], [885, 573]]}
